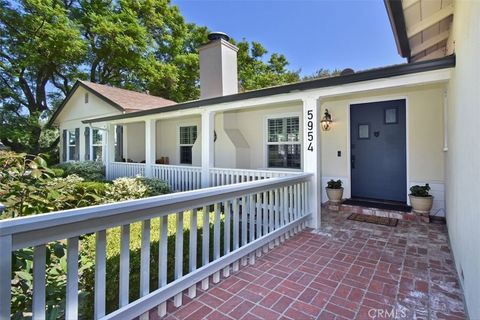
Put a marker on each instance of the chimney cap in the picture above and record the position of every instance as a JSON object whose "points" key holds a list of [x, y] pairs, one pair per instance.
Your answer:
{"points": [[217, 36]]}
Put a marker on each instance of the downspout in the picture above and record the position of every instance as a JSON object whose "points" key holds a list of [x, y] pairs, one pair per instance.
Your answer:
{"points": [[445, 120]]}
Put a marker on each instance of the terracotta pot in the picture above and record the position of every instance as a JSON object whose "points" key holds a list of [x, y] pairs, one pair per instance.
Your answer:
{"points": [[421, 204], [334, 195]]}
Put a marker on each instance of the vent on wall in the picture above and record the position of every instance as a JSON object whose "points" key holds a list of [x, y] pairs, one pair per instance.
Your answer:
{"points": [[86, 97]]}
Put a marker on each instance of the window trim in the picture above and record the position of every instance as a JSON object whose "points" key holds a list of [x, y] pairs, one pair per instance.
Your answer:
{"points": [[179, 145], [266, 143], [97, 145], [69, 131]]}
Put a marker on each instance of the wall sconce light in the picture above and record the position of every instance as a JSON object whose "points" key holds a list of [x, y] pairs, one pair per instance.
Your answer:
{"points": [[326, 121]]}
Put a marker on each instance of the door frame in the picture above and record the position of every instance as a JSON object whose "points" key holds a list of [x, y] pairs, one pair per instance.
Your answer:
{"points": [[407, 140]]}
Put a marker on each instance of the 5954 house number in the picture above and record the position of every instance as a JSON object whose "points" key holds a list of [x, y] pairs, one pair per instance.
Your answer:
{"points": [[310, 125]]}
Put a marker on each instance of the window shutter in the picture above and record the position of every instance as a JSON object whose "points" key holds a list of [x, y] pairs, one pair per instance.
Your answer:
{"points": [[119, 149], [77, 144], [64, 145], [87, 143]]}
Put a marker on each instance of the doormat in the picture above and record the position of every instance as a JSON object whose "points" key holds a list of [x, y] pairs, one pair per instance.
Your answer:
{"points": [[384, 221]]}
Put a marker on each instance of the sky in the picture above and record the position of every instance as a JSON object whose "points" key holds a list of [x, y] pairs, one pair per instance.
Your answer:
{"points": [[313, 34]]}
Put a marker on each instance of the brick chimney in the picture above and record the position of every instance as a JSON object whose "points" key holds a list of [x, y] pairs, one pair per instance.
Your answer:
{"points": [[218, 67]]}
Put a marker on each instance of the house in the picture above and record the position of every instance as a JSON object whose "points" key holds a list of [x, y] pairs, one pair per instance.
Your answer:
{"points": [[392, 127]]}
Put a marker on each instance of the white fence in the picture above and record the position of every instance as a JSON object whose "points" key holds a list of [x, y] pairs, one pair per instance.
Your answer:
{"points": [[125, 169], [225, 176], [255, 216], [180, 178]]}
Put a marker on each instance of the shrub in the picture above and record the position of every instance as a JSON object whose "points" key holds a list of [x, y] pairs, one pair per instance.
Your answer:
{"points": [[154, 186], [58, 172], [135, 188], [126, 189], [332, 184], [88, 170], [420, 191], [95, 187]]}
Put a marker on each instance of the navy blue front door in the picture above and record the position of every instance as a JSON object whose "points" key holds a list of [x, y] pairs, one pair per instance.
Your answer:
{"points": [[378, 150]]}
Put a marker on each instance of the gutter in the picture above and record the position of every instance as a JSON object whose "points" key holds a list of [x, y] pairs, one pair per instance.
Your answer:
{"points": [[373, 74]]}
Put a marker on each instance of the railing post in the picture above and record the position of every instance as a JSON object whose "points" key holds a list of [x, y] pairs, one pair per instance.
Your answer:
{"points": [[208, 151], [5, 275], [110, 154], [312, 157], [150, 146]]}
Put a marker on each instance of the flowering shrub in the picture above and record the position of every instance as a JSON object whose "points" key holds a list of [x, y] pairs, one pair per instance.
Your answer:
{"points": [[88, 170]]}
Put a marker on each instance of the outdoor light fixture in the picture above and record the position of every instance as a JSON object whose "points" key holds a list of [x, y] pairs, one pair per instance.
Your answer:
{"points": [[326, 121]]}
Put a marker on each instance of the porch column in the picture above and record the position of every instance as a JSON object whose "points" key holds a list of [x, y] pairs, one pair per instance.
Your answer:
{"points": [[208, 151], [150, 146], [312, 157], [110, 149]]}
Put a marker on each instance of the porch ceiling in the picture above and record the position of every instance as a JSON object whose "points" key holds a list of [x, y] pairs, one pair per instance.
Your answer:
{"points": [[421, 27]]}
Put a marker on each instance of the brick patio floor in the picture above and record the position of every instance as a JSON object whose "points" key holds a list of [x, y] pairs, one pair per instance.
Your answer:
{"points": [[348, 270]]}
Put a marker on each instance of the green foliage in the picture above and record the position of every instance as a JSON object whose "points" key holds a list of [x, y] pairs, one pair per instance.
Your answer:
{"points": [[113, 258], [95, 187], [322, 74], [139, 45], [420, 191], [56, 280], [254, 73], [135, 188], [154, 186], [88, 170], [21, 183], [332, 184], [58, 172]]}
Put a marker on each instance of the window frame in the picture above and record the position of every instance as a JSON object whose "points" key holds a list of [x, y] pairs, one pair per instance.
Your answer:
{"points": [[267, 143], [92, 145], [180, 144], [69, 132]]}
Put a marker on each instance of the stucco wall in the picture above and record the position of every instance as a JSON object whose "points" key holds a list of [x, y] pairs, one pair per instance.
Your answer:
{"points": [[168, 138], [425, 153], [134, 141], [77, 110], [463, 155], [251, 123]]}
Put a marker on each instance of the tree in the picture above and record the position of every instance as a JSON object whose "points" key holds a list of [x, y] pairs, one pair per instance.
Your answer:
{"points": [[322, 73], [46, 45], [254, 73], [37, 40]]}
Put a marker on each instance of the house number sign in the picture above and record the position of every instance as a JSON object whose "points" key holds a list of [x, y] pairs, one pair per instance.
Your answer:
{"points": [[310, 134]]}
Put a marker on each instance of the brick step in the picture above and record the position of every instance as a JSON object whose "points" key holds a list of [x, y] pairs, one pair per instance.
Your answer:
{"points": [[400, 215]]}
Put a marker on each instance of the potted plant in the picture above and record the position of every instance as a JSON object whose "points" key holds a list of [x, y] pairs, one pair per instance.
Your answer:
{"points": [[334, 191], [420, 199]]}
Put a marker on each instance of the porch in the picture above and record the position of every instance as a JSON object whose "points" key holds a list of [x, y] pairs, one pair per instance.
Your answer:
{"points": [[346, 270]]}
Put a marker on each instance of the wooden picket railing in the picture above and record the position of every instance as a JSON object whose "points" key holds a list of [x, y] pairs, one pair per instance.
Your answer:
{"points": [[180, 178], [255, 216], [225, 176], [125, 169]]}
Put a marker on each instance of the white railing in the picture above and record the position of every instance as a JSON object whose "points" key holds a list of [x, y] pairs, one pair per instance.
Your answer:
{"points": [[255, 216], [125, 169], [180, 178], [224, 176]]}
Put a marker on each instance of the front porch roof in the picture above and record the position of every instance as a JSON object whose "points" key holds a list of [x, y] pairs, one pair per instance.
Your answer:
{"points": [[368, 75]]}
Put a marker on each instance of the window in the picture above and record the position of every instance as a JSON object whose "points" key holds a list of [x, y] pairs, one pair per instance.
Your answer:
{"points": [[188, 135], [97, 145], [283, 143], [71, 145]]}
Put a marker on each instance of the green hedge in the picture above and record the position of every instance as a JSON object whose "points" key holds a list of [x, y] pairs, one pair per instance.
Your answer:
{"points": [[88, 170]]}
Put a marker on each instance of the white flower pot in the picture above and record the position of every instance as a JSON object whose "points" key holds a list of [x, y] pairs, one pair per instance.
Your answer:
{"points": [[334, 195], [421, 205]]}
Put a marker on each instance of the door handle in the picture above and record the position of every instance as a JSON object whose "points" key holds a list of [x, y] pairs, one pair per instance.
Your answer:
{"points": [[352, 162]]}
